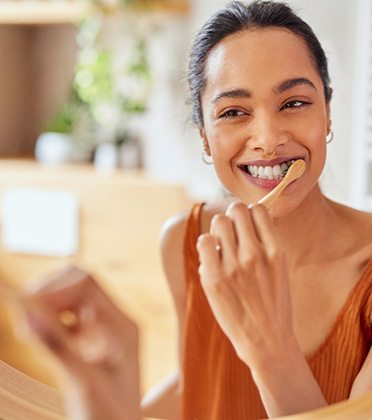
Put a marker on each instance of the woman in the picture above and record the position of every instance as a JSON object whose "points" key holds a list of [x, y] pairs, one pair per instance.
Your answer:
{"points": [[277, 318]]}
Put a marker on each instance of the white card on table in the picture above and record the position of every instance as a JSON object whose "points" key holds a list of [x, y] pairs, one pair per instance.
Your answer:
{"points": [[40, 222]]}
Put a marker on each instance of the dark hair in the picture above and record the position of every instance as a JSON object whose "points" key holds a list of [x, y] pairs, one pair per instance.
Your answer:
{"points": [[236, 17]]}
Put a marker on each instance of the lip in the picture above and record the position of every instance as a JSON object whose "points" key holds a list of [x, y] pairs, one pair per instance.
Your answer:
{"points": [[269, 162], [267, 184]]}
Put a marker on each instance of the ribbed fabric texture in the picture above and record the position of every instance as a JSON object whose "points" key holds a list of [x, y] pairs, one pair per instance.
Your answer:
{"points": [[218, 386]]}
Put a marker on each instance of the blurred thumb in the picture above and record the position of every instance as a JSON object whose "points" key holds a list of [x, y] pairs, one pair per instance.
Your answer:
{"points": [[45, 324]]}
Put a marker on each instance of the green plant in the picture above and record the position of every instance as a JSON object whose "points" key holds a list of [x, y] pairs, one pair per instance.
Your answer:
{"points": [[64, 120], [138, 70], [113, 84], [93, 82], [109, 86]]}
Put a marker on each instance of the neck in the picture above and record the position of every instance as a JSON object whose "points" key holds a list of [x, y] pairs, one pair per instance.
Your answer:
{"points": [[307, 232]]}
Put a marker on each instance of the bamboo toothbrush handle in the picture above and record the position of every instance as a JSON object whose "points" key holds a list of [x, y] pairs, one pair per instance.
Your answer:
{"points": [[294, 172], [269, 199]]}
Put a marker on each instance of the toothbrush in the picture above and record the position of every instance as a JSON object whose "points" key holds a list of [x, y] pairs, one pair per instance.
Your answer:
{"points": [[294, 172]]}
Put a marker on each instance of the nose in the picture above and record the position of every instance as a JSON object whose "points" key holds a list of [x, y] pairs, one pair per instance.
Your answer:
{"points": [[266, 136]]}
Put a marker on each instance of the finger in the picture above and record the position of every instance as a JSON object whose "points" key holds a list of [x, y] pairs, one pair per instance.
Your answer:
{"points": [[265, 229], [65, 293], [47, 328], [73, 289], [63, 289], [79, 353], [105, 338], [244, 227], [209, 257], [222, 227], [99, 331]]}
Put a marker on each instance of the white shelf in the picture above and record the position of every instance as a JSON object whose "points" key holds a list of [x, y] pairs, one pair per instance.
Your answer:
{"points": [[18, 12]]}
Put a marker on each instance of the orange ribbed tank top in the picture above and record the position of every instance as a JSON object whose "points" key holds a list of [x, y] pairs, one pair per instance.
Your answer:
{"points": [[219, 386]]}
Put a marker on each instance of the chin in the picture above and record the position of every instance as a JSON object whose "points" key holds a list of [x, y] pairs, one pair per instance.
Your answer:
{"points": [[284, 206]]}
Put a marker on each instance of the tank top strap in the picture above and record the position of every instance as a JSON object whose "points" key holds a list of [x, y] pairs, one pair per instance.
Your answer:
{"points": [[193, 230]]}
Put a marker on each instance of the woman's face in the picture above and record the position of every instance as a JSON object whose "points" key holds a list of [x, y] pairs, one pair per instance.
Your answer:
{"points": [[264, 95]]}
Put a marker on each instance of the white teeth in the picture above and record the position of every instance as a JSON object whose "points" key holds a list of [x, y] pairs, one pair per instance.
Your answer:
{"points": [[283, 167], [269, 172], [277, 171], [253, 170]]}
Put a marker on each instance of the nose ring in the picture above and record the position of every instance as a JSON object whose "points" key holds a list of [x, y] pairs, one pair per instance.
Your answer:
{"points": [[269, 155]]}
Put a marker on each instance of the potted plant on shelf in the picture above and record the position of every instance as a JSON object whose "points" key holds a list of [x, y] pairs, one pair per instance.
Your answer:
{"points": [[55, 144], [114, 83], [110, 90], [59, 143]]}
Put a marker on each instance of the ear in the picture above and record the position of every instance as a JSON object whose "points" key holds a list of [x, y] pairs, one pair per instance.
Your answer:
{"points": [[205, 141]]}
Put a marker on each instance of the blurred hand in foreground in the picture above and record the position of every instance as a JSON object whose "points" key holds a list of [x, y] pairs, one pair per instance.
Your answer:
{"points": [[95, 342]]}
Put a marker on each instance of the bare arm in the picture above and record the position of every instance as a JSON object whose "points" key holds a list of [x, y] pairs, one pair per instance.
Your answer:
{"points": [[164, 400]]}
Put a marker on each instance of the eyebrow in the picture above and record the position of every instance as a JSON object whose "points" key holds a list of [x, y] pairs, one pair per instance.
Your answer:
{"points": [[290, 83], [233, 93], [280, 88]]}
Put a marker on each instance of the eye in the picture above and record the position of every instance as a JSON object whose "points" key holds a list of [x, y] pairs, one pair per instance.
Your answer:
{"points": [[295, 104], [232, 113]]}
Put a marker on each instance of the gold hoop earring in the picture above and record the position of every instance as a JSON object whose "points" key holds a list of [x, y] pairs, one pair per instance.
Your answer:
{"points": [[206, 157], [330, 138]]}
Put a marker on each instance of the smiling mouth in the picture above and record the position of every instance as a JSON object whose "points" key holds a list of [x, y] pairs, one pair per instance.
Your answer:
{"points": [[275, 172]]}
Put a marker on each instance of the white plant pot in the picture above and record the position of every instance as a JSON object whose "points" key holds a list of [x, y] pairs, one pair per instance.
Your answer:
{"points": [[54, 148], [106, 156]]}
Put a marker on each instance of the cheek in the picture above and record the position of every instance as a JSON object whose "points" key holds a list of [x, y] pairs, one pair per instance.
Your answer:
{"points": [[225, 150], [224, 142], [316, 145]]}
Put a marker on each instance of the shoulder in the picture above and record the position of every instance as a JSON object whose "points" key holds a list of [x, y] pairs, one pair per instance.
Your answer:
{"points": [[355, 240], [171, 245], [213, 208], [174, 229], [172, 240], [358, 228], [359, 218], [362, 225]]}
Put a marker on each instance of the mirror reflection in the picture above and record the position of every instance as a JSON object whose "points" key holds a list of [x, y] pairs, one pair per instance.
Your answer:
{"points": [[185, 208]]}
